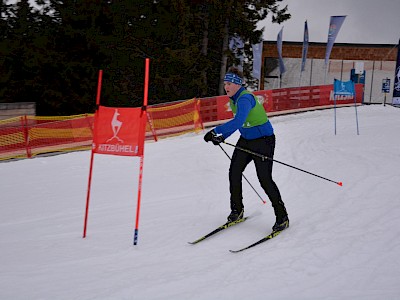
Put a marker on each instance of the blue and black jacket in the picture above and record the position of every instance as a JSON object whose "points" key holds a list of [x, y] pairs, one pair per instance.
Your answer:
{"points": [[243, 103]]}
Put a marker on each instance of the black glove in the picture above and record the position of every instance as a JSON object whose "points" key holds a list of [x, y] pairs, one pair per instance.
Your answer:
{"points": [[211, 136]]}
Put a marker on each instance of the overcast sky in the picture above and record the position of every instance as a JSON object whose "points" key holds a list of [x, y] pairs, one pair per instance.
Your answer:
{"points": [[367, 21]]}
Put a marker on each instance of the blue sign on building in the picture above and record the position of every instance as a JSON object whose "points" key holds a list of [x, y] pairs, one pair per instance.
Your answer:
{"points": [[386, 85]]}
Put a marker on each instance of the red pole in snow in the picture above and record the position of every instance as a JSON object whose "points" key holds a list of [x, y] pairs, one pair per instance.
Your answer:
{"points": [[145, 100], [92, 155]]}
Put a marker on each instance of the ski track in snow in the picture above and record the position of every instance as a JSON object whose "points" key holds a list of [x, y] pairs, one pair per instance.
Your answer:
{"points": [[342, 242]]}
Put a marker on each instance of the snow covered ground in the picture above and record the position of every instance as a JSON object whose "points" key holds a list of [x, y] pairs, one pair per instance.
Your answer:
{"points": [[343, 242]]}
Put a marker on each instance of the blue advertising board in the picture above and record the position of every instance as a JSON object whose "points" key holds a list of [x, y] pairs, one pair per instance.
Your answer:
{"points": [[386, 85]]}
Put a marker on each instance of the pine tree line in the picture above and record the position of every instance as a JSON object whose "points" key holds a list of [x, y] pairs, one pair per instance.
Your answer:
{"points": [[50, 52]]}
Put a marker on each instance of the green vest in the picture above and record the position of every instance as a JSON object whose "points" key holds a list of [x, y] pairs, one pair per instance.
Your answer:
{"points": [[257, 115]]}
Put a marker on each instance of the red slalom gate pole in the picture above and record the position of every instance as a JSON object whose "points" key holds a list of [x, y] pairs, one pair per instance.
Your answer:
{"points": [[92, 155], [277, 161], [145, 100], [136, 234]]}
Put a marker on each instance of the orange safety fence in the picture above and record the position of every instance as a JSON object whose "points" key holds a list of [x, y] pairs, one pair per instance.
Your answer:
{"points": [[27, 136], [279, 100], [171, 119]]}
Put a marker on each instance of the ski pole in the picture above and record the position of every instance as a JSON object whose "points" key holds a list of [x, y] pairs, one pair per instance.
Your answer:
{"points": [[244, 176], [268, 158]]}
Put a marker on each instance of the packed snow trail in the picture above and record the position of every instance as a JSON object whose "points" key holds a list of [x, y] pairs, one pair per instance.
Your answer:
{"points": [[342, 242]]}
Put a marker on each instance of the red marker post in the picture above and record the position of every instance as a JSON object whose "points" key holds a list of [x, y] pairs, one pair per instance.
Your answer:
{"points": [[145, 100]]}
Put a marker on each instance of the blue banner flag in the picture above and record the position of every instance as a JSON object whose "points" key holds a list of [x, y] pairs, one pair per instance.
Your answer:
{"points": [[305, 47], [257, 59], [334, 27], [396, 87], [282, 68], [343, 88]]}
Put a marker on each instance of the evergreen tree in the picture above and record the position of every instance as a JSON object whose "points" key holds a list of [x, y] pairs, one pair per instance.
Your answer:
{"points": [[20, 63], [51, 54]]}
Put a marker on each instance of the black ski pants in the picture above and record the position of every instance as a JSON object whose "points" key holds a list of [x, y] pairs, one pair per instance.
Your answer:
{"points": [[240, 159]]}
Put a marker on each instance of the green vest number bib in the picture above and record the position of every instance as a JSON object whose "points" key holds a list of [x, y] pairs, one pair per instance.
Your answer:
{"points": [[257, 115]]}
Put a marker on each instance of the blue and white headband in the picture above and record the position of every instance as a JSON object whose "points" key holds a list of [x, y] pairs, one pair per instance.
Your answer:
{"points": [[234, 78]]}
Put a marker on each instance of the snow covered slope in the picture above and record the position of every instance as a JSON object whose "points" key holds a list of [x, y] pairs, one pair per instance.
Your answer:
{"points": [[343, 242]]}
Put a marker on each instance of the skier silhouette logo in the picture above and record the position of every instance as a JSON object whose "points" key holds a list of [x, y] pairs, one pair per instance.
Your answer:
{"points": [[342, 87], [116, 127]]}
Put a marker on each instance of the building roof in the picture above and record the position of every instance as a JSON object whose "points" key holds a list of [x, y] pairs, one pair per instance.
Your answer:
{"points": [[341, 51]]}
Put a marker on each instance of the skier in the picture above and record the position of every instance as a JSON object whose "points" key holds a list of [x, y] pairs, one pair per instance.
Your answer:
{"points": [[257, 135]]}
